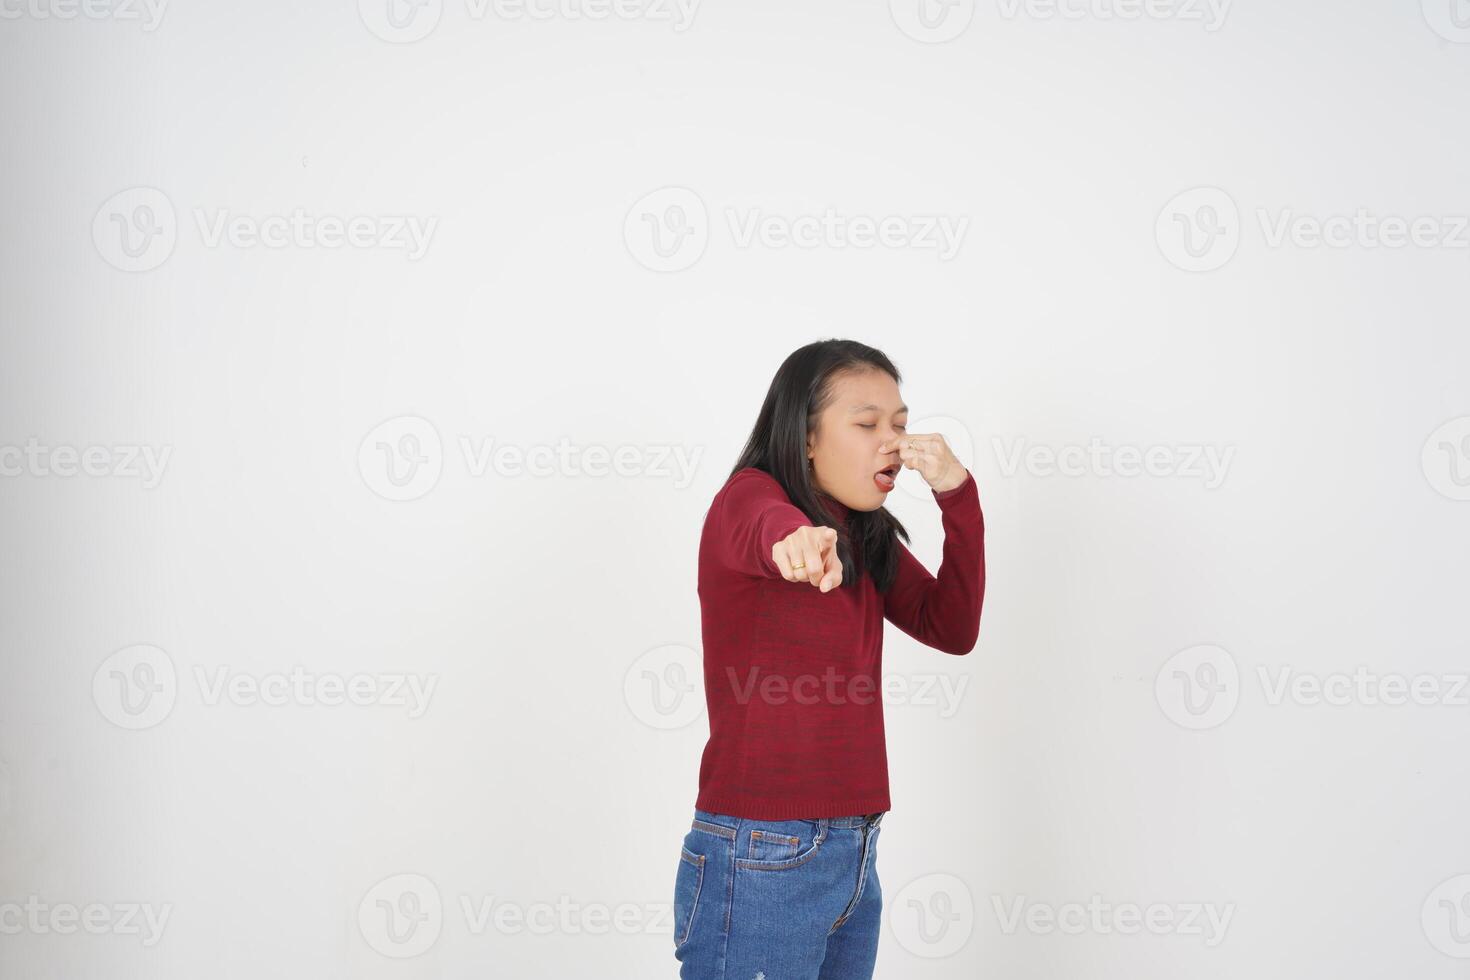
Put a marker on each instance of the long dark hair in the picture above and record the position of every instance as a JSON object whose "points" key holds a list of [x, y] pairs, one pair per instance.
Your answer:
{"points": [[799, 392]]}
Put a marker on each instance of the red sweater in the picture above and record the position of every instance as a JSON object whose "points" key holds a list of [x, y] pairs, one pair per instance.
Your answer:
{"points": [[792, 676]]}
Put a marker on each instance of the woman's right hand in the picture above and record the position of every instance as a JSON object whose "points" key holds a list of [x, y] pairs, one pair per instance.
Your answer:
{"points": [[817, 547]]}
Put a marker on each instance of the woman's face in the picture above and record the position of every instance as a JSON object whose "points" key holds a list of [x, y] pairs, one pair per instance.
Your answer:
{"points": [[856, 436]]}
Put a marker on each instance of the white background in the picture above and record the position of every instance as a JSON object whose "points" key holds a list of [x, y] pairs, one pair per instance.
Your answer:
{"points": [[549, 766]]}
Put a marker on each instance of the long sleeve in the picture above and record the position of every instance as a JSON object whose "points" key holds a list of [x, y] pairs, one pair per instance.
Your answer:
{"points": [[944, 612], [752, 514]]}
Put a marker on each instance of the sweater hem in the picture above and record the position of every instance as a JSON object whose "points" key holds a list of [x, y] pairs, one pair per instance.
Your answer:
{"points": [[757, 809]]}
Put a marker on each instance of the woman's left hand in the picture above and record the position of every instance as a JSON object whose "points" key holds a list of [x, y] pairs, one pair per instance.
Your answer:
{"points": [[931, 456]]}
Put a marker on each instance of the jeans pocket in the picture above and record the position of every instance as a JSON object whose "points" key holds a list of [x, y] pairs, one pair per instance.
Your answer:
{"points": [[777, 850], [687, 885], [770, 845]]}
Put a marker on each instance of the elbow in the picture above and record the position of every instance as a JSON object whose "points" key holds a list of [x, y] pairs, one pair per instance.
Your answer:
{"points": [[960, 645], [972, 635], [964, 642]]}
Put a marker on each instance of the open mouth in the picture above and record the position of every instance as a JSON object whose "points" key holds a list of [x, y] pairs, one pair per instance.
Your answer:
{"points": [[886, 477]]}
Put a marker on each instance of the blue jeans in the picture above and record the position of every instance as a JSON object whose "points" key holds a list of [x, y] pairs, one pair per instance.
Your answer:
{"points": [[781, 899]]}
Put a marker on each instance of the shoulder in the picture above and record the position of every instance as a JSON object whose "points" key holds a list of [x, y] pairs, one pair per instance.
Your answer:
{"points": [[752, 473], [750, 486]]}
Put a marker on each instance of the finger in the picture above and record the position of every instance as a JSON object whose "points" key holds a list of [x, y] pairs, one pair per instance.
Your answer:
{"points": [[832, 574], [811, 550], [830, 561], [912, 451], [781, 555]]}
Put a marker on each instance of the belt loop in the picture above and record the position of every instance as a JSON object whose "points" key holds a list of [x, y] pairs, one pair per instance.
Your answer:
{"points": [[822, 823]]}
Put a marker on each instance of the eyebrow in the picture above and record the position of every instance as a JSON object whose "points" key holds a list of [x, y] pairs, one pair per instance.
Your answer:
{"points": [[875, 408]]}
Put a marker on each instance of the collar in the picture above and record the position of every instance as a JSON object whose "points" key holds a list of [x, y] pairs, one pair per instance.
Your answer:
{"points": [[837, 507]]}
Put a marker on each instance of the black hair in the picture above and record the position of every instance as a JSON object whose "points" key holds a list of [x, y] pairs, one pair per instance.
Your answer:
{"points": [[799, 392]]}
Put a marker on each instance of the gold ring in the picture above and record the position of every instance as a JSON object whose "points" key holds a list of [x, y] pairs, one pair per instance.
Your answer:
{"points": [[800, 564]]}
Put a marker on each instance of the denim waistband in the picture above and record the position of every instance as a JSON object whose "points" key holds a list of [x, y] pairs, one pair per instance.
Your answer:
{"points": [[857, 821], [870, 819]]}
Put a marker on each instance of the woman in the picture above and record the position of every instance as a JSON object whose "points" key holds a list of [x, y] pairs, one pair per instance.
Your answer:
{"points": [[799, 565]]}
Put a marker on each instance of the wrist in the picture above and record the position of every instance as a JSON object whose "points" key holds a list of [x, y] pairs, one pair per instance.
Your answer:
{"points": [[954, 484]]}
